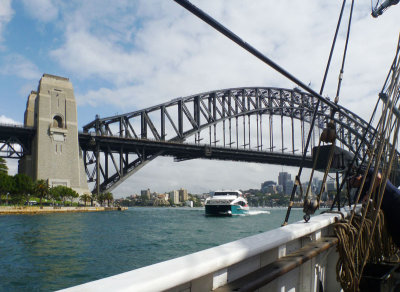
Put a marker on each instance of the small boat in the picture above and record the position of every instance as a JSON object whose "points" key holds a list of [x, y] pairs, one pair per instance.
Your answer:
{"points": [[226, 203]]}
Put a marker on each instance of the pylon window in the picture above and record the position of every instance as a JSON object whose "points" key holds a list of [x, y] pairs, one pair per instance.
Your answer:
{"points": [[58, 122]]}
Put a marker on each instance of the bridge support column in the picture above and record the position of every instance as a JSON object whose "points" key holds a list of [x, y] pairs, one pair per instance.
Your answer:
{"points": [[97, 170], [56, 155]]}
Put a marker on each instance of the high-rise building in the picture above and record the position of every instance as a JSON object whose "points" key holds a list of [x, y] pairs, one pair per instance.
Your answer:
{"points": [[174, 197], [145, 194], [288, 186], [283, 179], [268, 186], [183, 195]]}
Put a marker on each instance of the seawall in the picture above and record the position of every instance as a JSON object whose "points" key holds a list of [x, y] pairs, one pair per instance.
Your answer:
{"points": [[7, 210]]}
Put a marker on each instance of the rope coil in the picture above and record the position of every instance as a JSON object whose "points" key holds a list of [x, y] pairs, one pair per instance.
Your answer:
{"points": [[352, 252]]}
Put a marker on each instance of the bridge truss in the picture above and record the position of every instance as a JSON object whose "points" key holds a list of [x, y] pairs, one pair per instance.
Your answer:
{"points": [[15, 141], [269, 125]]}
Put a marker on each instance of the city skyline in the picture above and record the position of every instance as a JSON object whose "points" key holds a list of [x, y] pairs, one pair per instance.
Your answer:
{"points": [[316, 181]]}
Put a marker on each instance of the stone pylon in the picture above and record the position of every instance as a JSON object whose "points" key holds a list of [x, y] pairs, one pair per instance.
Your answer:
{"points": [[56, 155]]}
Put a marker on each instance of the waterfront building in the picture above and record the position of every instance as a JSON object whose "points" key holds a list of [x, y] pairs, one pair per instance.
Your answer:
{"points": [[145, 194], [183, 195], [174, 196]]}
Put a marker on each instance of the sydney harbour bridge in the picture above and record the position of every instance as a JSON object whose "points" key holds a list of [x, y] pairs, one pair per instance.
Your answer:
{"points": [[258, 124]]}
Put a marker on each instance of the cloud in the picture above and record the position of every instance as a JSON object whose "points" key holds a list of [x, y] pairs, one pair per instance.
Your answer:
{"points": [[18, 65], [136, 54], [162, 51], [42, 10], [6, 120], [6, 14]]}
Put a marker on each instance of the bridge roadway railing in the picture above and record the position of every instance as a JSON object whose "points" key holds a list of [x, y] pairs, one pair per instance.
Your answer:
{"points": [[220, 268]]}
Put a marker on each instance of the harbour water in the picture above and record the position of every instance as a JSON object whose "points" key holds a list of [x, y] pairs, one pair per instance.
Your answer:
{"points": [[55, 251]]}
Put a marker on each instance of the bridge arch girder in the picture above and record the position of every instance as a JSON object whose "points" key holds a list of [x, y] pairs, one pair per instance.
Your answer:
{"points": [[182, 118]]}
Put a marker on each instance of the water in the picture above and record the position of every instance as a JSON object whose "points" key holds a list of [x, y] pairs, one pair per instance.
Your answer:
{"points": [[55, 251]]}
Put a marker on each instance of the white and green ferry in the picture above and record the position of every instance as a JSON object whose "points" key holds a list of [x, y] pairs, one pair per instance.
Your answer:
{"points": [[226, 203]]}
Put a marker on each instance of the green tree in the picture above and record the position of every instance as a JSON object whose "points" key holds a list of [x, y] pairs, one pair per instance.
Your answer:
{"points": [[109, 198], [71, 194], [41, 190], [60, 193], [100, 198], [3, 166], [23, 188], [85, 198], [6, 185], [54, 193]]}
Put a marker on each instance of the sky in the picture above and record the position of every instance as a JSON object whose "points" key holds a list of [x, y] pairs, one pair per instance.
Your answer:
{"points": [[125, 55]]}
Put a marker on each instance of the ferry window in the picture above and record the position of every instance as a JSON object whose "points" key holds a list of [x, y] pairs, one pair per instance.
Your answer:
{"points": [[57, 122], [226, 194]]}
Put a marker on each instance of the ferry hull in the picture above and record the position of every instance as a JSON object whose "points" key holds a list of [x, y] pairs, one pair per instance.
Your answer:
{"points": [[225, 210]]}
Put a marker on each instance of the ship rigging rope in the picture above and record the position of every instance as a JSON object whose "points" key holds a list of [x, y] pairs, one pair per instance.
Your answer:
{"points": [[364, 237], [328, 136], [298, 182]]}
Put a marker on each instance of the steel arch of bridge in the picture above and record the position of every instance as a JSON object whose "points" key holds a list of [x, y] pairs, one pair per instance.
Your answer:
{"points": [[222, 118]]}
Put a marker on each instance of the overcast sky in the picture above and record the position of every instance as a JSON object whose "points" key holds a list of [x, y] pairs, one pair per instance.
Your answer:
{"points": [[125, 55]]}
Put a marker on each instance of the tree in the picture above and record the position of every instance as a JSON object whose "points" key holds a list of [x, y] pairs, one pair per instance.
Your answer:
{"points": [[100, 198], [109, 198], [3, 166], [55, 193], [85, 198], [71, 194], [6, 185], [23, 188], [60, 193], [41, 190]]}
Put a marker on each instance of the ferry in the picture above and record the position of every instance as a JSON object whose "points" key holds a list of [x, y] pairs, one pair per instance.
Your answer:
{"points": [[226, 203]]}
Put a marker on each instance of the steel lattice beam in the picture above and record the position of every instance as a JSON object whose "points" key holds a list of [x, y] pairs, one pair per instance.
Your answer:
{"points": [[15, 141], [239, 111]]}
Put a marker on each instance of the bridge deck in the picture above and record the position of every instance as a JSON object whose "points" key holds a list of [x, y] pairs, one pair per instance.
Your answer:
{"points": [[184, 151]]}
